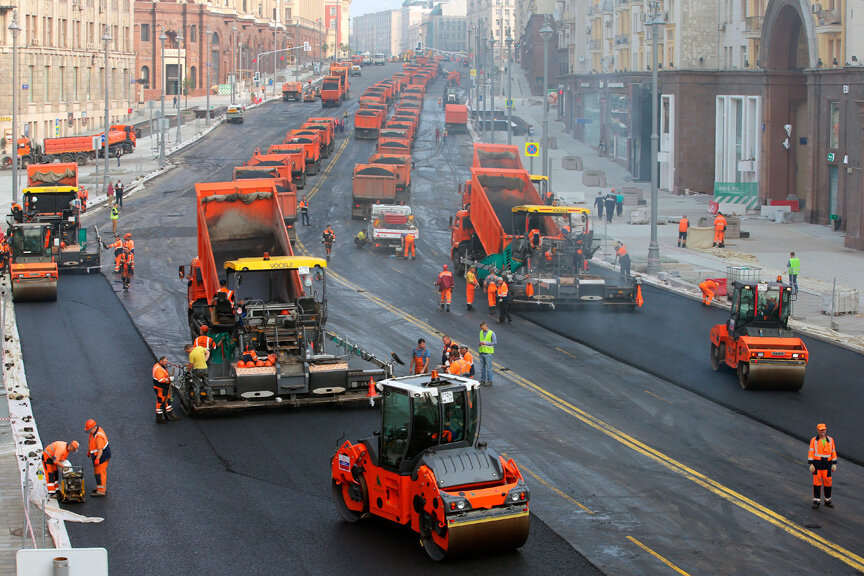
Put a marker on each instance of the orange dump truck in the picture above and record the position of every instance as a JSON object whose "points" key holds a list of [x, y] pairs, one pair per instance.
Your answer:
{"points": [[401, 166], [325, 132], [456, 118], [331, 91], [297, 154], [497, 156], [312, 146], [367, 123], [292, 91], [372, 183], [390, 145]]}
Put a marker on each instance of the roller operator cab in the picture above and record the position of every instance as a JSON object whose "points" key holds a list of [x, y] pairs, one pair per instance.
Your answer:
{"points": [[426, 469], [756, 341]]}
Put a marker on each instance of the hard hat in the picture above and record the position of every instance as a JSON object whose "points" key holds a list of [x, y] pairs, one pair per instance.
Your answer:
{"points": [[73, 445], [821, 427], [444, 267], [127, 235], [204, 328], [89, 424]]}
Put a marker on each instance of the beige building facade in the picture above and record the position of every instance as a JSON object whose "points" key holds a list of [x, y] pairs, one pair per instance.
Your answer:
{"points": [[491, 19], [378, 32]]}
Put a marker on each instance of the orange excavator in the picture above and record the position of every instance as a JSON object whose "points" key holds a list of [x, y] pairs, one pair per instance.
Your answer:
{"points": [[426, 469], [756, 340]]}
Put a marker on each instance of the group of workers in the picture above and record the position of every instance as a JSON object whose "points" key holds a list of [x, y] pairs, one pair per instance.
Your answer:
{"points": [[55, 458], [124, 257], [612, 203], [496, 287], [456, 358]]}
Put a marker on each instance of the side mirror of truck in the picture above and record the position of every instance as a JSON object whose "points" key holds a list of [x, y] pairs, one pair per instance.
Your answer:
{"points": [[182, 272]]}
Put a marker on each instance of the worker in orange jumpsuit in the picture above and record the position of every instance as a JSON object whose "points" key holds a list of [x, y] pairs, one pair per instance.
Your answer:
{"points": [[468, 358], [162, 387], [83, 196], [709, 289], [683, 226], [471, 284], [408, 242], [126, 268], [4, 256], [822, 458], [623, 258], [491, 292], [444, 282], [100, 454], [720, 230], [458, 366], [204, 340], [52, 455], [117, 245], [129, 246]]}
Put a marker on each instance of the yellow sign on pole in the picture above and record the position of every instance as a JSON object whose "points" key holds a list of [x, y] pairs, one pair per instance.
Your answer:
{"points": [[532, 149]]}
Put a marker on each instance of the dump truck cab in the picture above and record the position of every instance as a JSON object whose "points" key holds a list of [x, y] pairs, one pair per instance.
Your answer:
{"points": [[388, 224], [426, 469], [757, 342]]}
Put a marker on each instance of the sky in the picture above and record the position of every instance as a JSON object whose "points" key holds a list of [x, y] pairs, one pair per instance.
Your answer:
{"points": [[359, 7]]}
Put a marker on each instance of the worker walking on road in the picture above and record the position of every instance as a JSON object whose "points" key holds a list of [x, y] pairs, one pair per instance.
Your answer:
{"points": [[623, 258], [471, 284], [304, 211], [822, 458], [445, 288], [503, 301], [709, 289], [328, 237], [491, 292], [599, 202], [619, 202], [408, 244], [420, 358], [115, 217], [720, 230], [488, 340], [100, 454], [610, 207], [117, 246], [162, 387], [54, 454], [794, 267], [683, 226]]}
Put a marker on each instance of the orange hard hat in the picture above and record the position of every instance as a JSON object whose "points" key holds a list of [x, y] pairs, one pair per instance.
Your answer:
{"points": [[89, 424], [73, 445], [241, 364], [62, 244], [127, 235], [821, 427], [204, 328]]}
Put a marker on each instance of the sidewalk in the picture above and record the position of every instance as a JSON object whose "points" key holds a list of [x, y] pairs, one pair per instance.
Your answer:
{"points": [[820, 249]]}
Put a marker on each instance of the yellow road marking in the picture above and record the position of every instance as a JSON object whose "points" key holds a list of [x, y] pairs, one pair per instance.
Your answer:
{"points": [[658, 397], [565, 352], [658, 556], [808, 536], [554, 489]]}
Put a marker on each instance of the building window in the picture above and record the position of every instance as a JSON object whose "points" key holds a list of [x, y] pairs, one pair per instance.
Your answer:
{"points": [[62, 84], [145, 76], [834, 124], [75, 73], [193, 33], [332, 10], [145, 32], [737, 142]]}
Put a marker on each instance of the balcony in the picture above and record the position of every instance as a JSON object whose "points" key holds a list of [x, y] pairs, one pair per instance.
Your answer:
{"points": [[622, 39], [828, 22], [753, 27]]}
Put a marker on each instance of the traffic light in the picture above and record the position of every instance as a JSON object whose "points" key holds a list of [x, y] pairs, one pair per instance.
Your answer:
{"points": [[560, 91]]}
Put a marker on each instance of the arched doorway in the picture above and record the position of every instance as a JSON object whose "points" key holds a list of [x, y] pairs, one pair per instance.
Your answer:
{"points": [[788, 53], [215, 61]]}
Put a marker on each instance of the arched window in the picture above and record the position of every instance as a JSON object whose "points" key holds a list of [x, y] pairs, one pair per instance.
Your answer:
{"points": [[145, 76]]}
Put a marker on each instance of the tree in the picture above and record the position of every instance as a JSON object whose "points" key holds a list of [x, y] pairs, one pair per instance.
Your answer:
{"points": [[346, 49], [324, 48]]}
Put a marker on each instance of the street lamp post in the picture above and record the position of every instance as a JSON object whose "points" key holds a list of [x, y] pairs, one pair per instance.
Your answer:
{"points": [[274, 61], [163, 82], [15, 30], [209, 34], [546, 34], [509, 88], [179, 79], [492, 69], [656, 21], [106, 39], [233, 62]]}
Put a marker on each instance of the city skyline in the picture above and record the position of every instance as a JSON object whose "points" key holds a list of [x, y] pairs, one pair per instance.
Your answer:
{"points": [[360, 7]]}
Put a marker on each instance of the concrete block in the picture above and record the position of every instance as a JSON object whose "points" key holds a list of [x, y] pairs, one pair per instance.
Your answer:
{"points": [[594, 178], [571, 163], [637, 215], [729, 208]]}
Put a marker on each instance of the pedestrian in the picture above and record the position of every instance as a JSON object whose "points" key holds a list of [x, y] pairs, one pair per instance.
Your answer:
{"points": [[115, 216], [471, 284], [420, 358], [53, 455], [437, 135], [198, 357], [328, 237], [468, 358], [720, 230], [444, 282], [599, 202], [488, 341], [162, 387], [491, 292], [623, 258], [100, 454], [610, 207], [601, 147], [503, 301], [118, 154], [619, 202], [175, 101], [794, 267], [109, 192], [530, 131], [304, 211], [118, 194], [444, 134], [709, 289], [822, 458], [683, 226]]}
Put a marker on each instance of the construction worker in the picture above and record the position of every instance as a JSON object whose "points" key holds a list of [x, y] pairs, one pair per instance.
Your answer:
{"points": [[610, 206], [683, 226], [118, 194], [709, 289], [793, 266], [534, 239], [117, 245], [488, 340], [54, 454], [198, 357], [458, 366], [822, 458], [445, 288], [408, 243], [491, 293], [468, 358], [100, 454], [115, 216], [304, 211], [623, 257], [720, 230], [619, 202], [503, 301], [223, 288], [129, 245], [420, 358], [471, 284], [204, 340], [327, 238], [445, 354], [126, 263], [360, 239], [83, 196], [162, 387], [4, 256]]}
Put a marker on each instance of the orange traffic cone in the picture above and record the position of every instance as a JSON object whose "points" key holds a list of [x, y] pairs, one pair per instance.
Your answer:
{"points": [[639, 300], [372, 394]]}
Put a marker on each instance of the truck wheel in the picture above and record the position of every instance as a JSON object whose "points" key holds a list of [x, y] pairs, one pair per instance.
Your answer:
{"points": [[81, 159], [6, 163], [744, 374], [341, 495], [66, 157]]}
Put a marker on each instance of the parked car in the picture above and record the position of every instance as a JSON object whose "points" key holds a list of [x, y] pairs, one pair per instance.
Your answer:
{"points": [[234, 115]]}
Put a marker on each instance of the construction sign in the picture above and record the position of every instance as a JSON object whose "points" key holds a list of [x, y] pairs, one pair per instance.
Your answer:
{"points": [[532, 149]]}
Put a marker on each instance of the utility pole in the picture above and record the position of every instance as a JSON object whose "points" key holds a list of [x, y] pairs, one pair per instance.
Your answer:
{"points": [[275, 32], [656, 21], [492, 70], [106, 179], [546, 34], [163, 81], [509, 88], [15, 30], [233, 62], [179, 79], [209, 34]]}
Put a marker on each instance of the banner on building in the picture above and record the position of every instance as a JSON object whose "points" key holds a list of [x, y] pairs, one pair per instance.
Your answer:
{"points": [[741, 193]]}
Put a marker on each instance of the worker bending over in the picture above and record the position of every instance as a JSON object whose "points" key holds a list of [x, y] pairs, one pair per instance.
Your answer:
{"points": [[408, 244], [100, 454], [53, 455], [623, 258], [445, 288], [709, 289], [458, 366]]}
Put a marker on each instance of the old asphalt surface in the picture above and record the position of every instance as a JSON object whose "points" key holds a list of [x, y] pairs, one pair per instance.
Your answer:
{"points": [[621, 455]]}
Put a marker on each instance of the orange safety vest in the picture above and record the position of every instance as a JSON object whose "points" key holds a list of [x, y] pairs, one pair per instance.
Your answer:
{"points": [[303, 204], [468, 358], [503, 290], [227, 292], [621, 251], [129, 245], [459, 367], [205, 342], [160, 376], [97, 441], [683, 225], [409, 239], [720, 222], [822, 449], [58, 451]]}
